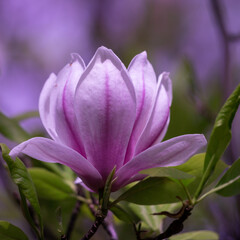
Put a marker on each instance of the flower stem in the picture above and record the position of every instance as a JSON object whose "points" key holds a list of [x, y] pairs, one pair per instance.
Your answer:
{"points": [[104, 195]]}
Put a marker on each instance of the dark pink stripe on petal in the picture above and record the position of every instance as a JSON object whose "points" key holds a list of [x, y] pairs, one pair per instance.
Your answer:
{"points": [[68, 109]]}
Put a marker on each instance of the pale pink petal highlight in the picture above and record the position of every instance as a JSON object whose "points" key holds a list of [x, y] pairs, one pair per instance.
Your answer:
{"points": [[172, 152], [144, 80], [105, 106], [158, 122], [48, 150], [56, 105]]}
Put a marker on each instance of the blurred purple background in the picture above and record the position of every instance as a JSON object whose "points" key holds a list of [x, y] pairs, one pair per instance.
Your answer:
{"points": [[37, 37]]}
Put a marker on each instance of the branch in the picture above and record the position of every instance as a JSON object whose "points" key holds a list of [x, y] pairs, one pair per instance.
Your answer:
{"points": [[106, 226], [73, 219], [177, 225], [98, 221]]}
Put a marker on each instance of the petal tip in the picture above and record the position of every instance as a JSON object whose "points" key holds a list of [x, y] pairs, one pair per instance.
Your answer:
{"points": [[104, 53], [165, 80], [143, 54], [203, 140], [14, 153], [140, 59], [77, 58]]}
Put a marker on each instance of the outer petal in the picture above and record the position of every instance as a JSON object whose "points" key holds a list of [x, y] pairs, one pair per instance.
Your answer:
{"points": [[48, 150], [169, 153], [145, 84], [105, 105], [159, 119], [47, 103], [56, 105]]}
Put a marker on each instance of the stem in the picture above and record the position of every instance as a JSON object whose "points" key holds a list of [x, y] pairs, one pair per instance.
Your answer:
{"points": [[187, 192], [106, 226], [203, 181], [26, 115], [26, 211], [73, 219], [104, 195], [217, 188], [98, 221], [137, 231]]}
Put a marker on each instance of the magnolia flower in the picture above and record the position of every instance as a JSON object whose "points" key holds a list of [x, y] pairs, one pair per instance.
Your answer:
{"points": [[104, 116]]}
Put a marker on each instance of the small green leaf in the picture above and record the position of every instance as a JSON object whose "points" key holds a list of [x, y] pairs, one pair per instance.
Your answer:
{"points": [[107, 190], [233, 187], [49, 185], [196, 235], [10, 129], [220, 136], [23, 180], [151, 221], [11, 232]]}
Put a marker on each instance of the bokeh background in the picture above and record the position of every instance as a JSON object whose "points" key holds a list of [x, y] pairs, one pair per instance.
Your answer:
{"points": [[198, 42]]}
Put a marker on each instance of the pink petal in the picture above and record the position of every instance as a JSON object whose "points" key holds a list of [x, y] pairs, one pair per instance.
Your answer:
{"points": [[158, 122], [169, 153], [47, 103], [145, 84], [56, 105], [47, 150], [105, 105]]}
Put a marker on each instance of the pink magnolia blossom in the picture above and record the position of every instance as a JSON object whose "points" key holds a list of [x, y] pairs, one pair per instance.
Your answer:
{"points": [[105, 115]]}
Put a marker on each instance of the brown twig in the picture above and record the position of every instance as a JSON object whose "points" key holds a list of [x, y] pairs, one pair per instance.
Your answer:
{"points": [[73, 219], [106, 226], [177, 225], [75, 213], [98, 221]]}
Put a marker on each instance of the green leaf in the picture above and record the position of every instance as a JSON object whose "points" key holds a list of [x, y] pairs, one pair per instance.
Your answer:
{"points": [[220, 136], [234, 187], [107, 191], [196, 235], [194, 166], [159, 190], [49, 185], [121, 214], [10, 129], [23, 180], [11, 232], [152, 191], [149, 220], [170, 172], [229, 184]]}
